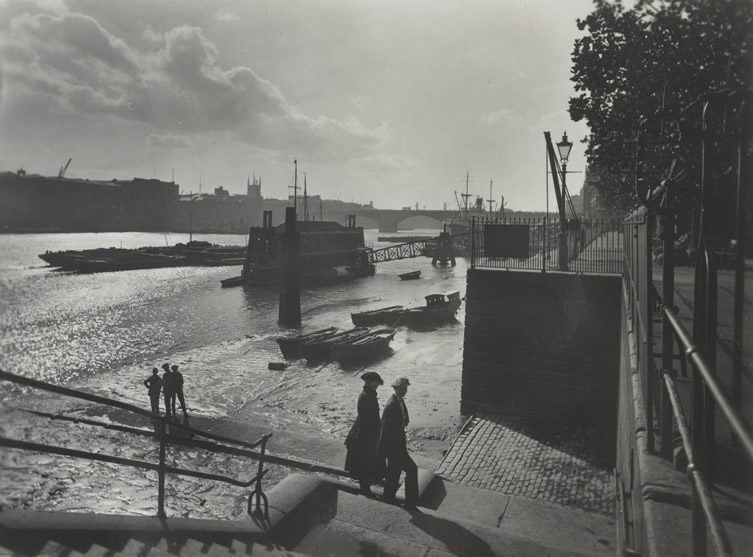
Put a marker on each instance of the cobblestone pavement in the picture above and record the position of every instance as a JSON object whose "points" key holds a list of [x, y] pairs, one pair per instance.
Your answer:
{"points": [[522, 457]]}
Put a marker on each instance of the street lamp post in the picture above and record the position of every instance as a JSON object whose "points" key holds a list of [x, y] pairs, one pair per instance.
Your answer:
{"points": [[563, 147]]}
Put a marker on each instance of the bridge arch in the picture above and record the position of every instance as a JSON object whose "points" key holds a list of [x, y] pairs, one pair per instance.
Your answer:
{"points": [[389, 219]]}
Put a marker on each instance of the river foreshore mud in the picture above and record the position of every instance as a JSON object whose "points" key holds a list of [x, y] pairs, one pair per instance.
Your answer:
{"points": [[223, 340]]}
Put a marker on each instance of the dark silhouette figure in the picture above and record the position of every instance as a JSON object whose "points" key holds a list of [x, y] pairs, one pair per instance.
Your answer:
{"points": [[392, 445], [361, 460], [154, 384], [168, 390], [178, 386]]}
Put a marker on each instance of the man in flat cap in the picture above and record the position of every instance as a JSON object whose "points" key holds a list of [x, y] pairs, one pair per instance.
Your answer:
{"points": [[392, 445], [361, 460]]}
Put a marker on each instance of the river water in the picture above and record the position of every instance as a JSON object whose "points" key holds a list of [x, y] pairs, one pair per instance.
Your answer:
{"points": [[103, 333]]}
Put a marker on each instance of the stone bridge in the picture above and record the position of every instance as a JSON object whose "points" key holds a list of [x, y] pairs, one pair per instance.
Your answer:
{"points": [[389, 219]]}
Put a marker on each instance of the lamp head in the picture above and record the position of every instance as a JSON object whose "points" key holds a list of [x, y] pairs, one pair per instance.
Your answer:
{"points": [[564, 147]]}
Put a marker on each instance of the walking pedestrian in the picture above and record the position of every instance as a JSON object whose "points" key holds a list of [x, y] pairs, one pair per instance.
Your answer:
{"points": [[361, 460], [154, 384], [178, 384], [168, 390], [392, 445]]}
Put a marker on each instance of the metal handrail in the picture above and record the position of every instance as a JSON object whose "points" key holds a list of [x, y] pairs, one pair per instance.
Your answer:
{"points": [[718, 533], [162, 468], [740, 426], [742, 430]]}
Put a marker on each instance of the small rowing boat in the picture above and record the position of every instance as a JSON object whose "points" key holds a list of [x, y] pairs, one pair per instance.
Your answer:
{"points": [[290, 346], [372, 345], [321, 350], [413, 275], [382, 315]]}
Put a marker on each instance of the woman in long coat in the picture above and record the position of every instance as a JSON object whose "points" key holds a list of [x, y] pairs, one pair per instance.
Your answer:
{"points": [[361, 460]]}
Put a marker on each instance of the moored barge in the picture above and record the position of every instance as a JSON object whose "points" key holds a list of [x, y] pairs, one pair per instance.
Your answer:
{"points": [[330, 253], [195, 253]]}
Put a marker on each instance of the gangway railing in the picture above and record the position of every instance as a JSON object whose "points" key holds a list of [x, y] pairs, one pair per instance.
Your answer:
{"points": [[409, 250], [163, 433]]}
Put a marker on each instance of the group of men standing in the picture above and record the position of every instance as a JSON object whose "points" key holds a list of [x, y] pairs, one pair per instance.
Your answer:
{"points": [[171, 387], [371, 441]]}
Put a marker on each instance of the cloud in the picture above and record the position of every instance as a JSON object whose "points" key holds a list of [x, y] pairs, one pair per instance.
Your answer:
{"points": [[167, 142], [502, 114], [174, 82]]}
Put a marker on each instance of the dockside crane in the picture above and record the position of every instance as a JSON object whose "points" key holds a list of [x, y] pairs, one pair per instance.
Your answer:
{"points": [[61, 173]]}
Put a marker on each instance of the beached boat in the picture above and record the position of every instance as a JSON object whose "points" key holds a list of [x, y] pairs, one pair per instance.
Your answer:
{"points": [[372, 345], [376, 316], [290, 346], [321, 350], [232, 281], [439, 308], [413, 275]]}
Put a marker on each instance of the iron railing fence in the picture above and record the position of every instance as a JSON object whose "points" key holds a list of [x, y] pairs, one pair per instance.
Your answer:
{"points": [[540, 244], [163, 433], [661, 401]]}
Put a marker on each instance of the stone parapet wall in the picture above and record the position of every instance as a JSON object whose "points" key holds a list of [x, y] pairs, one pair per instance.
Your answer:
{"points": [[542, 345]]}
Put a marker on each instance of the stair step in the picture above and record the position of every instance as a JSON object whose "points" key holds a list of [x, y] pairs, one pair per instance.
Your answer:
{"points": [[139, 548], [55, 549], [97, 550], [218, 550], [193, 547], [169, 547]]}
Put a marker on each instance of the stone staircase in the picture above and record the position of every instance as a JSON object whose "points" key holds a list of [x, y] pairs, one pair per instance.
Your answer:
{"points": [[310, 515], [134, 544]]}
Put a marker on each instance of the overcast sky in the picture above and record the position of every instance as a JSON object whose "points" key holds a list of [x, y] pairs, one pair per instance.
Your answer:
{"points": [[379, 100]]}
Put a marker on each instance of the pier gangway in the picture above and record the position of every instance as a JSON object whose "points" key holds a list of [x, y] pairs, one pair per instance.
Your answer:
{"points": [[415, 248]]}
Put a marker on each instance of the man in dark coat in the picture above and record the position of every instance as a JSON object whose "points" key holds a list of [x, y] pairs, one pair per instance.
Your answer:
{"points": [[154, 384], [168, 390], [392, 445], [361, 460], [178, 383]]}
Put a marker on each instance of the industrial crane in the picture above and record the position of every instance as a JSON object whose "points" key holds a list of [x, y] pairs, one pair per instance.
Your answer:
{"points": [[61, 174]]}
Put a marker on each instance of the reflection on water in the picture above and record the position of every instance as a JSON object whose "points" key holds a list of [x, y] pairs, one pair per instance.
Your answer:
{"points": [[103, 333]]}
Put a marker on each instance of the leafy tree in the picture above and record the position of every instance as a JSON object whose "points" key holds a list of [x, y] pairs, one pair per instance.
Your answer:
{"points": [[638, 71]]}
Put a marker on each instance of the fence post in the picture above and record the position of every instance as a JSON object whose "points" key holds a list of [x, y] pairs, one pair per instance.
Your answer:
{"points": [[648, 313], [743, 183], [258, 492], [668, 291], [473, 242], [563, 247], [161, 469]]}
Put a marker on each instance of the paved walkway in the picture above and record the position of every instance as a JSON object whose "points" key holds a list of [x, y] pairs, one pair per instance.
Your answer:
{"points": [[522, 457]]}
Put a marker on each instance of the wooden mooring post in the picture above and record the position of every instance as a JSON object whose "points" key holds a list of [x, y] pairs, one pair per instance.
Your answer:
{"points": [[290, 293], [443, 252]]}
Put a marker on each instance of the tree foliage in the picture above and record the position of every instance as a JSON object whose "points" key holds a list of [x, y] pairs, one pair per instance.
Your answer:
{"points": [[639, 69]]}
